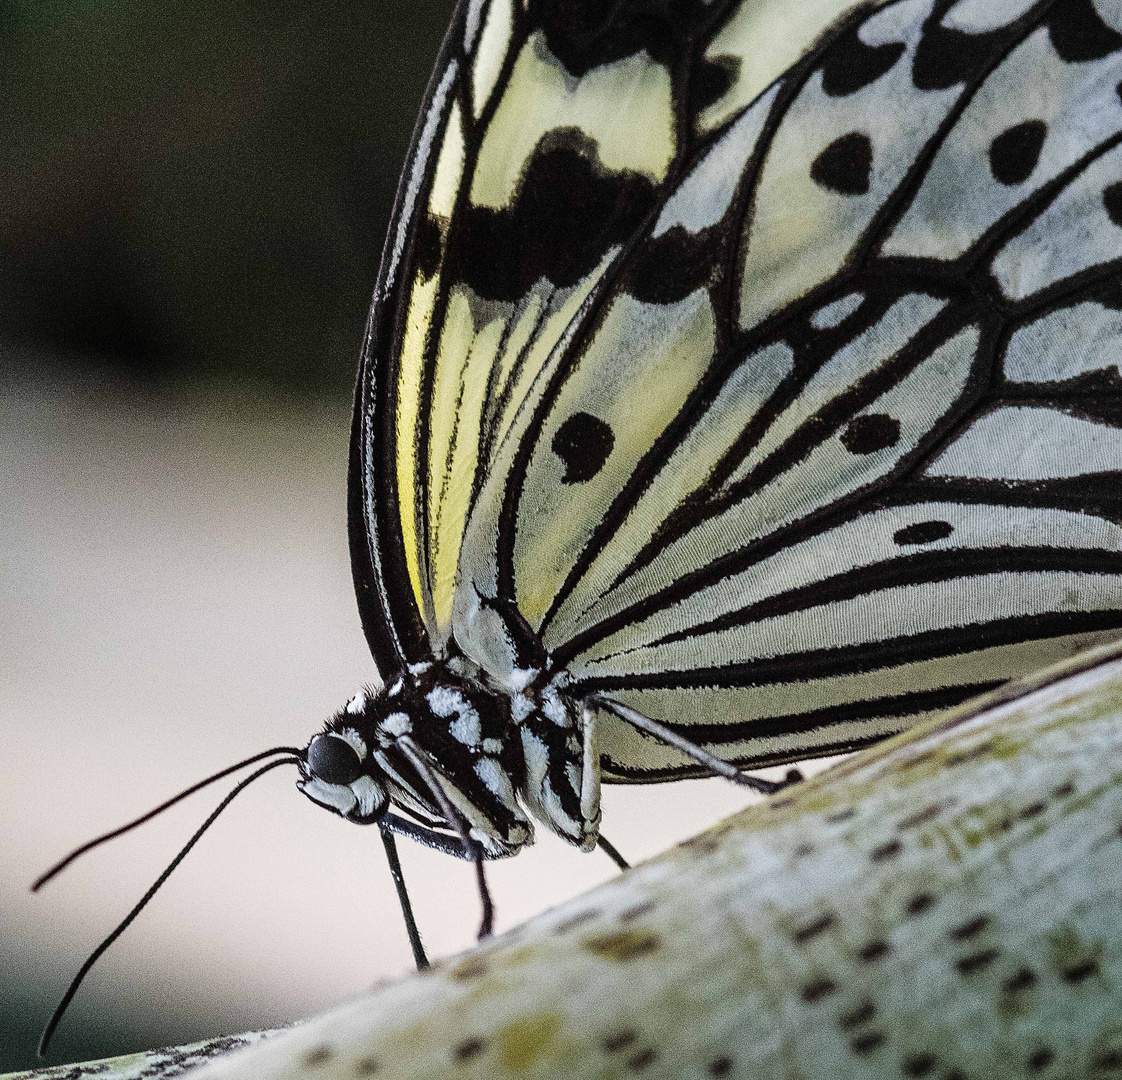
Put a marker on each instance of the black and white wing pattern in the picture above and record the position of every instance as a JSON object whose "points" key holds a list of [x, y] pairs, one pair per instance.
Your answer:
{"points": [[782, 408]]}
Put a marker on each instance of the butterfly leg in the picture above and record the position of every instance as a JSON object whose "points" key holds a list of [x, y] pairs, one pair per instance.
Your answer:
{"points": [[390, 843], [610, 850], [416, 758], [672, 738]]}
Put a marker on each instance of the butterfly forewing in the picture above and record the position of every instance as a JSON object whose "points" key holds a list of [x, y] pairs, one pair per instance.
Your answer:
{"points": [[786, 414]]}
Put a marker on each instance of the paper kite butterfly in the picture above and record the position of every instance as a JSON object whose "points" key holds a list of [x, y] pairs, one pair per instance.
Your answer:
{"points": [[712, 415]]}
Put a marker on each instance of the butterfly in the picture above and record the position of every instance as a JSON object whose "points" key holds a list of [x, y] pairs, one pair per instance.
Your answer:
{"points": [[722, 407]]}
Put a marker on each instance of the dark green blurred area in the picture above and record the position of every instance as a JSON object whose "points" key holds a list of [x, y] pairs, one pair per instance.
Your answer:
{"points": [[190, 193], [202, 189]]}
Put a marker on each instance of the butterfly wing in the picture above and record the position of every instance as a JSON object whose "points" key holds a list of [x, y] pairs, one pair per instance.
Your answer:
{"points": [[547, 133], [837, 439]]}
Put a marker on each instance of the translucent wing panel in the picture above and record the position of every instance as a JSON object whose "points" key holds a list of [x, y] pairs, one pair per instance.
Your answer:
{"points": [[793, 719], [836, 442], [526, 178]]}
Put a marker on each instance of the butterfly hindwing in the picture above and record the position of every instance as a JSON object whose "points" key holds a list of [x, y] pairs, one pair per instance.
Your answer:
{"points": [[828, 449]]}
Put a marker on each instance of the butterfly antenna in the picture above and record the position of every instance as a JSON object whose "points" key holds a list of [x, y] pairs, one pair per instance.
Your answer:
{"points": [[413, 752], [93, 958], [62, 864]]}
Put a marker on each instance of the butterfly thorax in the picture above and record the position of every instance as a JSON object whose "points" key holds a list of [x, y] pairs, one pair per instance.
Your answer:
{"points": [[500, 754]]}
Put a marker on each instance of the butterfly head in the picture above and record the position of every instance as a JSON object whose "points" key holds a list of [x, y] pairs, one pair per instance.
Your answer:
{"points": [[366, 758], [338, 772]]}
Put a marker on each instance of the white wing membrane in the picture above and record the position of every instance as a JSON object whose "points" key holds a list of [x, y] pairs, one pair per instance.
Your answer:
{"points": [[819, 456], [785, 408]]}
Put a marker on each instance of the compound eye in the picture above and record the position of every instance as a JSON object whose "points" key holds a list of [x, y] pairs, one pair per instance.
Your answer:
{"points": [[333, 760]]}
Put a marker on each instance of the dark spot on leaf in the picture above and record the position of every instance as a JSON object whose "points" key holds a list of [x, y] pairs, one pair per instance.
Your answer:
{"points": [[962, 756], [1024, 979], [318, 1055], [468, 969], [969, 929], [813, 929], [817, 990], [1078, 972], [867, 1043], [468, 1049], [641, 1060], [923, 532], [367, 1066], [862, 1014], [918, 1064], [919, 903], [1110, 1060], [874, 951], [885, 851], [720, 1066], [1040, 1059], [845, 165], [638, 910], [1032, 810], [576, 920], [583, 443], [975, 962], [1064, 790], [624, 946], [922, 817], [618, 1041], [1015, 152], [841, 815], [870, 433]]}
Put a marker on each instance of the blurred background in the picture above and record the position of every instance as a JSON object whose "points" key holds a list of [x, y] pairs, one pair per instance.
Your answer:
{"points": [[193, 203]]}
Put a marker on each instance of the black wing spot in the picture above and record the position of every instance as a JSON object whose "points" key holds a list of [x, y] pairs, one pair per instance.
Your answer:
{"points": [[852, 65], [870, 433], [713, 80], [584, 34], [428, 246], [566, 213], [672, 266], [845, 165], [922, 532], [1015, 152], [1079, 34], [946, 56], [583, 443], [1112, 200]]}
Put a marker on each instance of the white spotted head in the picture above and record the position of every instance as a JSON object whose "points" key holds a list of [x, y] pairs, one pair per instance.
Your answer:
{"points": [[364, 763], [337, 770]]}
